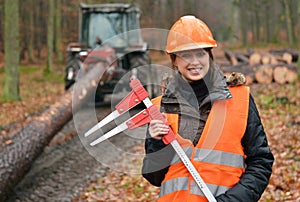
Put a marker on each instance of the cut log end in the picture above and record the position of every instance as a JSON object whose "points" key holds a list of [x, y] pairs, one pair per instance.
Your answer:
{"points": [[285, 74], [254, 58], [264, 74]]}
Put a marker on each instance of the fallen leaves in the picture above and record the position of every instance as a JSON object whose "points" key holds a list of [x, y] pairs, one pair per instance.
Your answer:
{"points": [[121, 187], [282, 125]]}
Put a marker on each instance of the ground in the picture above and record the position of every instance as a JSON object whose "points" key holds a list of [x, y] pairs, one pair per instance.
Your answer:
{"points": [[278, 106]]}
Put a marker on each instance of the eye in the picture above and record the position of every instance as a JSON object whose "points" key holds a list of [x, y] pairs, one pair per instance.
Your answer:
{"points": [[200, 53], [186, 55]]}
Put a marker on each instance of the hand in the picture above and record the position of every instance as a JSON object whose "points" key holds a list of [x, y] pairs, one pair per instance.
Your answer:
{"points": [[157, 129]]}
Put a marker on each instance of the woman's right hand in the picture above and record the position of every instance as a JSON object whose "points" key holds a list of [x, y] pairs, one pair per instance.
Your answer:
{"points": [[157, 129]]}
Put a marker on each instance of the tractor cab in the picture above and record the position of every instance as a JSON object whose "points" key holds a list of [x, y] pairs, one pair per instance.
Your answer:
{"points": [[110, 31]]}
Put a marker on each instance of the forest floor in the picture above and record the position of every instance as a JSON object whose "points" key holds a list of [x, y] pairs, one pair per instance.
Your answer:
{"points": [[278, 106]]}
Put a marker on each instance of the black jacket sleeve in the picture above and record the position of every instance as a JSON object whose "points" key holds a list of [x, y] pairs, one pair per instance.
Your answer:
{"points": [[157, 160], [259, 162]]}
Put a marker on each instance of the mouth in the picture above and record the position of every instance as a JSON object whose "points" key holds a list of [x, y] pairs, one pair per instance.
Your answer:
{"points": [[195, 70]]}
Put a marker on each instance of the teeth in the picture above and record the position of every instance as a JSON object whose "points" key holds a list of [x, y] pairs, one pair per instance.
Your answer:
{"points": [[195, 69]]}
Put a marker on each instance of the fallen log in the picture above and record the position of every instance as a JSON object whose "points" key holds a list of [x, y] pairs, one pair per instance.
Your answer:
{"points": [[285, 58], [242, 58], [285, 74], [28, 142], [268, 59], [254, 58], [231, 57], [264, 74], [293, 53]]}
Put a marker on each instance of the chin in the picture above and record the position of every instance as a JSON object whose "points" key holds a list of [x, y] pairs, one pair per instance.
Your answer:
{"points": [[195, 78]]}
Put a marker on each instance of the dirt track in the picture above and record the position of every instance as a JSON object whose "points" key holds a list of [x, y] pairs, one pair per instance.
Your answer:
{"points": [[65, 168]]}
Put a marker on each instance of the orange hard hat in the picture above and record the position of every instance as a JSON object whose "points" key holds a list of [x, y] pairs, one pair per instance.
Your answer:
{"points": [[189, 33]]}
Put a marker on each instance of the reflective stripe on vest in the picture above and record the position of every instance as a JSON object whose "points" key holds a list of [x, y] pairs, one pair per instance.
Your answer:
{"points": [[181, 184], [177, 184], [219, 157], [215, 189]]}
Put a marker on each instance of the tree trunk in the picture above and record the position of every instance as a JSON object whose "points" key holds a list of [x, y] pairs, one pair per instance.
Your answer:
{"points": [[58, 44], [11, 47], [37, 43], [288, 21], [268, 14], [244, 21], [298, 36], [31, 32], [29, 140], [50, 34]]}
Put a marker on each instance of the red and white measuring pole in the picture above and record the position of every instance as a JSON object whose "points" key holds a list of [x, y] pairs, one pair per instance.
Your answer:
{"points": [[136, 96]]}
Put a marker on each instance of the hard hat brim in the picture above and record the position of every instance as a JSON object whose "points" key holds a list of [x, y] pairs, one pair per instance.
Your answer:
{"points": [[191, 46]]}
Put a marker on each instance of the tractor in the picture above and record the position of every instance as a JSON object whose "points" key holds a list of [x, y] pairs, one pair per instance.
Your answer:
{"points": [[110, 32]]}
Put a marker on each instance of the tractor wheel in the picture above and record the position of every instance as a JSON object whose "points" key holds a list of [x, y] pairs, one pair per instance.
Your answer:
{"points": [[99, 96], [147, 75], [72, 69]]}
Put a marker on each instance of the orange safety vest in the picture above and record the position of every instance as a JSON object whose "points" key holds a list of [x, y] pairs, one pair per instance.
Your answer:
{"points": [[218, 156]]}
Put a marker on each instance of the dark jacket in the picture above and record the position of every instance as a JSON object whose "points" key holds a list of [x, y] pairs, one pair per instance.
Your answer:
{"points": [[192, 105]]}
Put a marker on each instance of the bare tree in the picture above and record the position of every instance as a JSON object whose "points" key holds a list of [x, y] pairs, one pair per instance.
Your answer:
{"points": [[50, 34], [58, 41], [243, 8], [298, 12], [286, 4], [11, 48], [31, 32]]}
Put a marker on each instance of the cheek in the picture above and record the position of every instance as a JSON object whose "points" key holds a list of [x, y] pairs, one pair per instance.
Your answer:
{"points": [[180, 64], [205, 61]]}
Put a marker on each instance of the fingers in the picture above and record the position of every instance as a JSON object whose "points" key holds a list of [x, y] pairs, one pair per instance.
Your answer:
{"points": [[158, 129]]}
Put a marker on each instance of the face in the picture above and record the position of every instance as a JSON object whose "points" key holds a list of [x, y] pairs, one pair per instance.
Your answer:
{"points": [[192, 64]]}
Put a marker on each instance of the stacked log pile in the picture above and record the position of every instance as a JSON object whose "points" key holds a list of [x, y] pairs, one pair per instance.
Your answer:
{"points": [[264, 67]]}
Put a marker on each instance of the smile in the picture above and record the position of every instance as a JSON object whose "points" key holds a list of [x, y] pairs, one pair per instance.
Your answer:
{"points": [[195, 70]]}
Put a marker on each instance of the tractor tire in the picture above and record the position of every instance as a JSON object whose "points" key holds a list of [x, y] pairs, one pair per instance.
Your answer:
{"points": [[72, 67], [147, 75]]}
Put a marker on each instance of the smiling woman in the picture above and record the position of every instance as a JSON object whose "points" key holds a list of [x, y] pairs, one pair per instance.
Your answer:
{"points": [[217, 125]]}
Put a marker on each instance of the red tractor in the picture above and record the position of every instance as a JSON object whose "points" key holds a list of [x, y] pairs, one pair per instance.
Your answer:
{"points": [[111, 32]]}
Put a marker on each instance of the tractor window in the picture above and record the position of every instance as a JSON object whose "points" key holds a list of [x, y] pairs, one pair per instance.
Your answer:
{"points": [[133, 21], [105, 26], [133, 24]]}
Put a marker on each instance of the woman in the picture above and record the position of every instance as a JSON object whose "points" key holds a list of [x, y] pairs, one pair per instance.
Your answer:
{"points": [[218, 126]]}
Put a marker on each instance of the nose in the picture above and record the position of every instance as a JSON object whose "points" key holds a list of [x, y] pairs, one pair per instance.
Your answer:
{"points": [[194, 60]]}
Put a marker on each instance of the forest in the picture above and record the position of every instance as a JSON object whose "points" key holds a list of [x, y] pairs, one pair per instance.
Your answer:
{"points": [[240, 22], [259, 38], [41, 30]]}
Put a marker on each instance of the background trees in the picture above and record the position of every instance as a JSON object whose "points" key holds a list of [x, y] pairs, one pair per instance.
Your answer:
{"points": [[237, 22], [11, 48], [248, 22]]}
